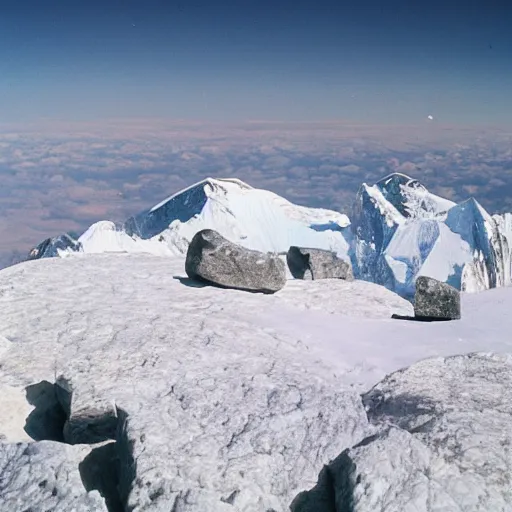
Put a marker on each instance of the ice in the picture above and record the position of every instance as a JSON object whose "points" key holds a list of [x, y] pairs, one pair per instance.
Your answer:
{"points": [[403, 231]]}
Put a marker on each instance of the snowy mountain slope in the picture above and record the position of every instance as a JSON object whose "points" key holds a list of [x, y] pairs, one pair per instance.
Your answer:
{"points": [[410, 198], [374, 223], [402, 231], [491, 247], [129, 339], [399, 231], [105, 236], [55, 247], [256, 219]]}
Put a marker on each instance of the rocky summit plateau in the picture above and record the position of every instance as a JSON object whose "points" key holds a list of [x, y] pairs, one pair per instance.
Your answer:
{"points": [[228, 351]]}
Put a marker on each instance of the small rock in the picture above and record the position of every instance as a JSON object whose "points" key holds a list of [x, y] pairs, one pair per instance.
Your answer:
{"points": [[212, 258], [436, 300], [305, 263]]}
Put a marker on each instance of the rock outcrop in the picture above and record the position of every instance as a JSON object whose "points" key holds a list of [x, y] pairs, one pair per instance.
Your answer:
{"points": [[309, 263], [208, 407], [443, 443], [51, 247], [436, 300], [214, 259]]}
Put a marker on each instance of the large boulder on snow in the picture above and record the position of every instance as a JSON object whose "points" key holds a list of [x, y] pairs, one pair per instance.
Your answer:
{"points": [[443, 443], [213, 258], [436, 300], [308, 263]]}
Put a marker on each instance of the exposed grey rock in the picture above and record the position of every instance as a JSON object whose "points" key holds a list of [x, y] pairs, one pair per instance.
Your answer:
{"points": [[444, 443], [46, 476], [213, 258], [308, 263], [50, 247], [436, 300]]}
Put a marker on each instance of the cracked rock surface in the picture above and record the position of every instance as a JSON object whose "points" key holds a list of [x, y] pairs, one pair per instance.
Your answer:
{"points": [[209, 410], [444, 442], [182, 397]]}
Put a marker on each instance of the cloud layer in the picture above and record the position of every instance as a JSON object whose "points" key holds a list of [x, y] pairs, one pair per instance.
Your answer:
{"points": [[62, 177]]}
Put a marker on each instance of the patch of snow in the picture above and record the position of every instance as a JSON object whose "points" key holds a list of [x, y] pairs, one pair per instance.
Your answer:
{"points": [[390, 214], [399, 268], [15, 409]]}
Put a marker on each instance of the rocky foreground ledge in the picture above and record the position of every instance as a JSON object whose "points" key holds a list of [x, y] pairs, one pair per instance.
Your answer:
{"points": [[131, 388], [443, 442]]}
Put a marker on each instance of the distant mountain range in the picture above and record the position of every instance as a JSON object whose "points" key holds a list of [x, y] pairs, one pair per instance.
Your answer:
{"points": [[397, 231]]}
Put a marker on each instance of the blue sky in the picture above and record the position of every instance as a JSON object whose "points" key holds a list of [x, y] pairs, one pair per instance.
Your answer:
{"points": [[373, 61]]}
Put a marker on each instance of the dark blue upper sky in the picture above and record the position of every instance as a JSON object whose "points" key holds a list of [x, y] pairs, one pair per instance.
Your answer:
{"points": [[366, 60]]}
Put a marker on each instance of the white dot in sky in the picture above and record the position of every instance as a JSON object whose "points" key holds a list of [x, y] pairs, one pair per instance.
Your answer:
{"points": [[430, 118]]}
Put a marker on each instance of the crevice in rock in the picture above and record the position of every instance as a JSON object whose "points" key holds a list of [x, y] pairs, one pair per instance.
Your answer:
{"points": [[91, 427], [109, 468], [334, 491], [127, 465], [320, 498], [46, 422], [100, 471]]}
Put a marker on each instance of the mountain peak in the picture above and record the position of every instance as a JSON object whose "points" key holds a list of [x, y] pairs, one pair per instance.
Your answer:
{"points": [[212, 183], [398, 179], [397, 188], [182, 206]]}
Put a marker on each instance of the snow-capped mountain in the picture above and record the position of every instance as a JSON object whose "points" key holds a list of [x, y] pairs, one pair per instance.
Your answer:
{"points": [[255, 218], [403, 231], [398, 231]]}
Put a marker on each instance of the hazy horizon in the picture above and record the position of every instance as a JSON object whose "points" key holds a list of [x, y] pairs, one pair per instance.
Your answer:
{"points": [[59, 177]]}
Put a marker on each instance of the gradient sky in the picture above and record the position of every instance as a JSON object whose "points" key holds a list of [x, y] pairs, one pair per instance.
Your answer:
{"points": [[392, 61]]}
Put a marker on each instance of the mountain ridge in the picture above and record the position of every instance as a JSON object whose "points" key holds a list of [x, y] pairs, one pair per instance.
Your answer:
{"points": [[397, 230]]}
